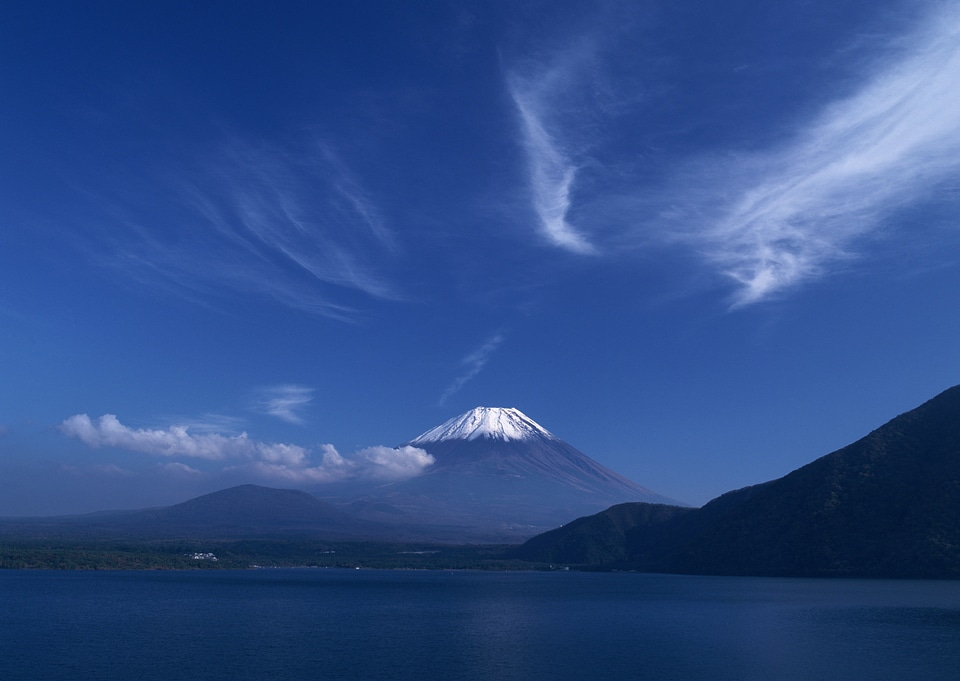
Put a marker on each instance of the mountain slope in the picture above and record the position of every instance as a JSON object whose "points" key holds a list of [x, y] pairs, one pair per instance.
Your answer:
{"points": [[249, 508], [246, 510], [886, 505], [601, 538], [499, 474], [498, 477], [506, 443]]}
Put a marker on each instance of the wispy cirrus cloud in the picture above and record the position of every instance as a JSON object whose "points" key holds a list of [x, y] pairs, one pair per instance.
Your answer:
{"points": [[803, 206], [297, 227], [472, 365], [176, 469], [309, 210], [769, 219], [551, 176], [551, 170], [209, 423], [285, 402], [240, 452]]}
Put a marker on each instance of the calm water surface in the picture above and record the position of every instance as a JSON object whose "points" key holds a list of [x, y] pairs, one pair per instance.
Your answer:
{"points": [[358, 624]]}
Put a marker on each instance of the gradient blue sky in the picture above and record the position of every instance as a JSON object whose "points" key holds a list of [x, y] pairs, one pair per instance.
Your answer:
{"points": [[705, 243]]}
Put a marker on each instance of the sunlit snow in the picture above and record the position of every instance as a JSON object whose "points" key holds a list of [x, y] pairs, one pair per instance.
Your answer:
{"points": [[486, 422]]}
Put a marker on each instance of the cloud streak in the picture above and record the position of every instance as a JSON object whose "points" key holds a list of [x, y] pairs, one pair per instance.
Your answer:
{"points": [[285, 402], [550, 170], [473, 364], [804, 205], [175, 441], [767, 220], [295, 227], [551, 176], [267, 460]]}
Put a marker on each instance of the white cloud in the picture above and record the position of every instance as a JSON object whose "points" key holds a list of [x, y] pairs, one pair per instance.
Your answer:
{"points": [[113, 471], [803, 206], [392, 463], [284, 401], [173, 441], [180, 470], [538, 89], [774, 219], [551, 175], [293, 226], [767, 220], [209, 423], [473, 364], [270, 460], [381, 464]]}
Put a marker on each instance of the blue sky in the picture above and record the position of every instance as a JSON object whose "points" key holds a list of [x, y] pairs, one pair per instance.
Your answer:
{"points": [[704, 243]]}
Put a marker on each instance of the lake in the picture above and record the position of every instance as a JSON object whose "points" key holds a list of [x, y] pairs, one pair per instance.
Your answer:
{"points": [[368, 624]]}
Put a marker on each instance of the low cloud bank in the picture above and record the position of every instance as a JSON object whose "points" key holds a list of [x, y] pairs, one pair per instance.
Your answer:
{"points": [[268, 460]]}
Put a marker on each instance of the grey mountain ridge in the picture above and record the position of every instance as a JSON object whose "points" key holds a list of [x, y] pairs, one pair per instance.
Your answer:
{"points": [[883, 506], [498, 476], [499, 473]]}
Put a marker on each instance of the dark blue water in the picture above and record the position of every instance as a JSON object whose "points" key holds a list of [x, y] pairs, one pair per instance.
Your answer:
{"points": [[348, 624]]}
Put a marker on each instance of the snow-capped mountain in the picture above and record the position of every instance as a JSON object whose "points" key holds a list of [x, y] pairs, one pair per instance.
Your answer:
{"points": [[495, 423], [497, 470]]}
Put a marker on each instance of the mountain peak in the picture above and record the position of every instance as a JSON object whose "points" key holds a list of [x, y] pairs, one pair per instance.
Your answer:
{"points": [[494, 423]]}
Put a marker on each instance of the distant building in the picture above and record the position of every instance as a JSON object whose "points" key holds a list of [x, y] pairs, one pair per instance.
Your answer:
{"points": [[203, 556]]}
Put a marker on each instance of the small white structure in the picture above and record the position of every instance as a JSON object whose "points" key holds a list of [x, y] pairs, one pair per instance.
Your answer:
{"points": [[204, 556]]}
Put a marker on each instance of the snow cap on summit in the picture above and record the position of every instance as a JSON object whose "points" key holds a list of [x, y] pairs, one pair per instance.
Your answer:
{"points": [[486, 422]]}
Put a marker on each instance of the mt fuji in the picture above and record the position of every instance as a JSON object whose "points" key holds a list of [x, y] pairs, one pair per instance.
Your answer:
{"points": [[497, 477], [498, 474], [495, 423]]}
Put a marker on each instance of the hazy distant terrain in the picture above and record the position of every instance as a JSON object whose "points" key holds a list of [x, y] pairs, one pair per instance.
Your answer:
{"points": [[884, 506]]}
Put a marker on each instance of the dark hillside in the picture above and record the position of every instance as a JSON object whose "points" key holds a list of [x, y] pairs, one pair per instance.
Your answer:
{"points": [[887, 505], [600, 538]]}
